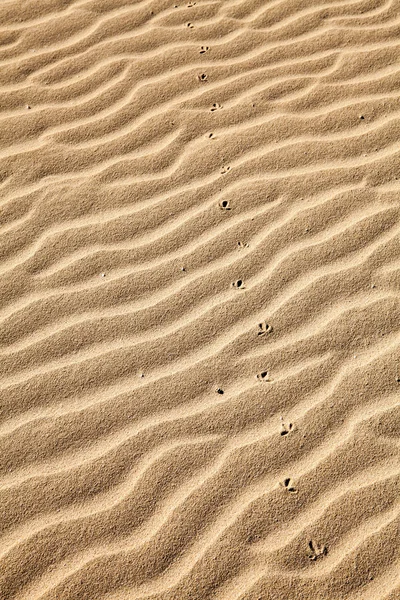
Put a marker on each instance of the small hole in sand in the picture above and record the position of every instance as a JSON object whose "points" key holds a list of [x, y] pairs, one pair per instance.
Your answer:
{"points": [[219, 391]]}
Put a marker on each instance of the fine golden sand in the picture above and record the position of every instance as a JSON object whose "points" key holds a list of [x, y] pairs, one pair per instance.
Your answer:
{"points": [[200, 300]]}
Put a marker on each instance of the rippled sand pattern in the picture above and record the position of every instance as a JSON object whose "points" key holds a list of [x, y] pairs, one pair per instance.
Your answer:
{"points": [[200, 300]]}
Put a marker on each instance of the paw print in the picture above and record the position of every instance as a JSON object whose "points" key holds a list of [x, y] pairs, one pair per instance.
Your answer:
{"points": [[225, 170], [286, 429], [215, 106], [239, 284], [264, 328], [252, 538], [288, 486], [224, 205], [190, 25], [263, 376], [203, 78], [242, 245], [316, 550], [204, 49]]}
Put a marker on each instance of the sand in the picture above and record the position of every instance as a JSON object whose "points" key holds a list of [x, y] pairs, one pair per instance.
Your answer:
{"points": [[200, 300]]}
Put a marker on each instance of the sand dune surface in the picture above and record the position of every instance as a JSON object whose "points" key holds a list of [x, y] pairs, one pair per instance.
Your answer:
{"points": [[200, 300]]}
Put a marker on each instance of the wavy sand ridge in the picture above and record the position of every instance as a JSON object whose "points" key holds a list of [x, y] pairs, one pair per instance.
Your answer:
{"points": [[200, 308]]}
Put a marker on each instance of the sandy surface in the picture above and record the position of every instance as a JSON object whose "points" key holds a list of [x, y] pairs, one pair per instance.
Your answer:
{"points": [[200, 300]]}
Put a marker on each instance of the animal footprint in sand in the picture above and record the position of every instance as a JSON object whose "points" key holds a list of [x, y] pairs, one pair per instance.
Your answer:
{"points": [[242, 245], [203, 78], [224, 205], [286, 429], [215, 106], [316, 550], [288, 486], [264, 328], [225, 170], [190, 25], [239, 284], [191, 4], [263, 376], [204, 49]]}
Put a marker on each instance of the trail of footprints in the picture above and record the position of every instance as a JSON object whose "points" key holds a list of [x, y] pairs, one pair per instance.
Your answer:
{"points": [[314, 549]]}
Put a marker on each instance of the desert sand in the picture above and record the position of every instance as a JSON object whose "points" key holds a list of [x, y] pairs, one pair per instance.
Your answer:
{"points": [[200, 300]]}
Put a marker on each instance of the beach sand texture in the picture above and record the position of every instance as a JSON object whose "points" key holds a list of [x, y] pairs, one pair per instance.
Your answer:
{"points": [[200, 300]]}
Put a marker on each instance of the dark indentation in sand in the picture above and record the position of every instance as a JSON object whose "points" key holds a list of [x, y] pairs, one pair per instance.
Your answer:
{"points": [[239, 284], [263, 376], [288, 486], [285, 430], [264, 328], [224, 205], [316, 550]]}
